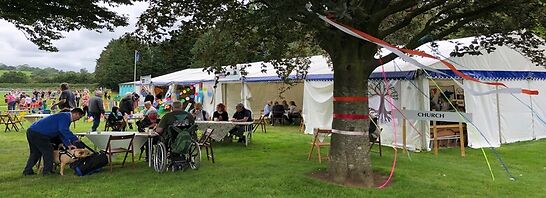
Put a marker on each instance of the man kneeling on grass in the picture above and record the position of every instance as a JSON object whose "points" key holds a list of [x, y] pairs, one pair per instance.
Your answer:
{"points": [[40, 134]]}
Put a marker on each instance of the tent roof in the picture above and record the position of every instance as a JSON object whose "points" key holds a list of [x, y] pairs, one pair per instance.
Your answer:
{"points": [[187, 76]]}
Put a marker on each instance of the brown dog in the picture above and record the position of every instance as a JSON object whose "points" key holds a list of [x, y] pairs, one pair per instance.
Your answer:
{"points": [[68, 157]]}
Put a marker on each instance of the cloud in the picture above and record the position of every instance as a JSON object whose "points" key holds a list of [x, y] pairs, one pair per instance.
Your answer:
{"points": [[79, 49]]}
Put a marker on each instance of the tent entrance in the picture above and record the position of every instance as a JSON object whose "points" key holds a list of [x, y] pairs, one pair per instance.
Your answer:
{"points": [[447, 96]]}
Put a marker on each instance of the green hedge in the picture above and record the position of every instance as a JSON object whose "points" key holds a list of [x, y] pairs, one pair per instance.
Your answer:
{"points": [[7, 86]]}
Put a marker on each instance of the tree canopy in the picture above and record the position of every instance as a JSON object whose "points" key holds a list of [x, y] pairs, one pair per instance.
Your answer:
{"points": [[14, 77], [116, 62], [44, 21]]}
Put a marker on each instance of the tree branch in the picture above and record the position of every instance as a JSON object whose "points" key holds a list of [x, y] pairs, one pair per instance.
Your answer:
{"points": [[409, 17]]}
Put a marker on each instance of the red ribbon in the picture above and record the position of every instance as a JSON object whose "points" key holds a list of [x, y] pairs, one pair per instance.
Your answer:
{"points": [[350, 99], [529, 92], [351, 116], [423, 54]]}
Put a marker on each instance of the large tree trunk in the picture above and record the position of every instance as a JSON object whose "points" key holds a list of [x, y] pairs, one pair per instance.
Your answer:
{"points": [[349, 159]]}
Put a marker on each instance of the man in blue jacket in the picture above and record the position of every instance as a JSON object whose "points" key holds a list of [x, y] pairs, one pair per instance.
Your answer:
{"points": [[39, 136]]}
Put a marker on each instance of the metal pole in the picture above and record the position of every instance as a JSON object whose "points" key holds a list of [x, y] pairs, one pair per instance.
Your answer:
{"points": [[134, 74]]}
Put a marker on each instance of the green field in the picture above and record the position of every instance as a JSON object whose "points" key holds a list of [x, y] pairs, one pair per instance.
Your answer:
{"points": [[276, 165]]}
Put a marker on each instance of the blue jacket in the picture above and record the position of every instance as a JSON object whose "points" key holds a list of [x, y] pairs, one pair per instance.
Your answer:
{"points": [[55, 125]]}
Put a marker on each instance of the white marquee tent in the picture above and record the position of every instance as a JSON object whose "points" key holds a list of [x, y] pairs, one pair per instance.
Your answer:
{"points": [[499, 118]]}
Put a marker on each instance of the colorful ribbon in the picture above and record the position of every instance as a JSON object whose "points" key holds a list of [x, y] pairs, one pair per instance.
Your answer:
{"points": [[401, 53]]}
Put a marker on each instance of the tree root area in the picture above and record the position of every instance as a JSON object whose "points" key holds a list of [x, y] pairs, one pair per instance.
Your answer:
{"points": [[322, 175]]}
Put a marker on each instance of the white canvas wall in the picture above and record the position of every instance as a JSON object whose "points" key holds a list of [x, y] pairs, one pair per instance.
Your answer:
{"points": [[484, 114], [318, 105], [539, 107], [515, 114]]}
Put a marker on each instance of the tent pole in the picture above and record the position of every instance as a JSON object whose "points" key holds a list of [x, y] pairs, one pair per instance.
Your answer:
{"points": [[532, 112], [498, 114]]}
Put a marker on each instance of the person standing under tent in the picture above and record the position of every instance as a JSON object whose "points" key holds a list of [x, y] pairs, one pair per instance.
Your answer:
{"points": [[126, 106]]}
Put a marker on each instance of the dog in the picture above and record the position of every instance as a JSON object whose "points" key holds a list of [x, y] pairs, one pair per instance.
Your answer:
{"points": [[63, 158]]}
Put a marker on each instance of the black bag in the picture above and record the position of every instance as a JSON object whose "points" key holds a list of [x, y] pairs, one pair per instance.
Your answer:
{"points": [[90, 164]]}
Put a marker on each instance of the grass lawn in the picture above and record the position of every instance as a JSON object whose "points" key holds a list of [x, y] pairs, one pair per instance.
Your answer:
{"points": [[275, 165]]}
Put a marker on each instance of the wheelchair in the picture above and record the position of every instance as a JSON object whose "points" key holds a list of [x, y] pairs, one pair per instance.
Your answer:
{"points": [[165, 157]]}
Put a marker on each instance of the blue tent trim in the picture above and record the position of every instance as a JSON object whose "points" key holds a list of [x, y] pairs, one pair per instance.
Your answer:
{"points": [[493, 75]]}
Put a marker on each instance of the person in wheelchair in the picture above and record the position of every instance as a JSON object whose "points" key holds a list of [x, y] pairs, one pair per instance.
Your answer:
{"points": [[177, 138]]}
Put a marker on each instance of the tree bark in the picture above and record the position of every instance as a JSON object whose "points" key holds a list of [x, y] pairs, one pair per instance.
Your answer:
{"points": [[349, 159]]}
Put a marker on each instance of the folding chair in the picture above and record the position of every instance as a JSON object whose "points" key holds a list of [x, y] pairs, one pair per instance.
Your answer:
{"points": [[111, 151], [318, 141], [6, 120], [205, 141], [18, 118], [378, 142], [260, 123]]}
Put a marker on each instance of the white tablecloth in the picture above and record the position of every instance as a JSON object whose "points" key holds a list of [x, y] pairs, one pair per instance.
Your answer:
{"points": [[221, 128], [100, 139]]}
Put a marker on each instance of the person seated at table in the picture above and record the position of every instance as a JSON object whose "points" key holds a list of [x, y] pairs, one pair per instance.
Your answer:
{"points": [[150, 117], [293, 112], [267, 108], [285, 105], [115, 120], [277, 111], [241, 115], [39, 136], [220, 114], [199, 113]]}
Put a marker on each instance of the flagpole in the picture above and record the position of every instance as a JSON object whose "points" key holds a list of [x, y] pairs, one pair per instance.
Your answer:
{"points": [[134, 75]]}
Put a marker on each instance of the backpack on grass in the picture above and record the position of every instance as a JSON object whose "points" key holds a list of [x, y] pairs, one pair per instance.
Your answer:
{"points": [[90, 164]]}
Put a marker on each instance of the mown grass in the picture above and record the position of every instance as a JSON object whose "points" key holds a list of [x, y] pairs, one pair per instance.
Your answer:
{"points": [[275, 165]]}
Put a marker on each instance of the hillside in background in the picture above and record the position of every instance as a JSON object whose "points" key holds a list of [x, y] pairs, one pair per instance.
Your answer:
{"points": [[29, 74]]}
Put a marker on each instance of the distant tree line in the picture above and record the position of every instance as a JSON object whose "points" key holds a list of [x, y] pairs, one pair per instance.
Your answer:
{"points": [[29, 74]]}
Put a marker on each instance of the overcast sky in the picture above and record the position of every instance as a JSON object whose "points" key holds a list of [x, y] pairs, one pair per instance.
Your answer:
{"points": [[77, 50]]}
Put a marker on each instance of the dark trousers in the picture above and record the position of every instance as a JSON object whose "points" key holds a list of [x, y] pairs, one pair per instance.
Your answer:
{"points": [[11, 106], [96, 121], [40, 146]]}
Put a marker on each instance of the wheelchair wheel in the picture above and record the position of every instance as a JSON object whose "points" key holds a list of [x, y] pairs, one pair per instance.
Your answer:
{"points": [[160, 161], [195, 155]]}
